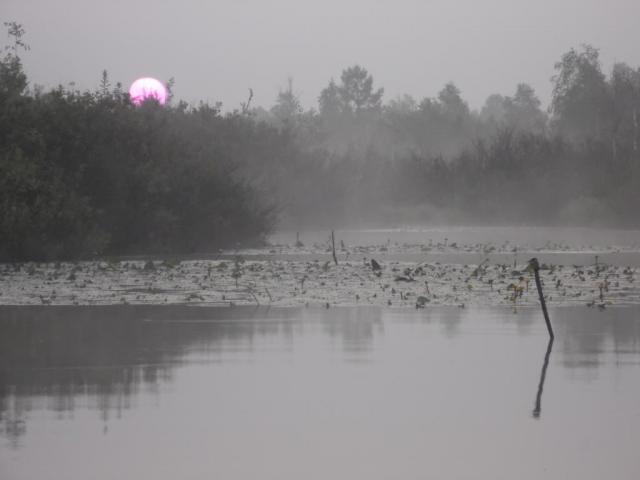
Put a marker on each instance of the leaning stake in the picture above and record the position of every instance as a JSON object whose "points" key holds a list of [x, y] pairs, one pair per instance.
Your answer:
{"points": [[533, 265], [333, 247]]}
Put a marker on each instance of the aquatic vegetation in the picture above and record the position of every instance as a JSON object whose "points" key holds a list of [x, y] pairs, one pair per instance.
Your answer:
{"points": [[301, 282]]}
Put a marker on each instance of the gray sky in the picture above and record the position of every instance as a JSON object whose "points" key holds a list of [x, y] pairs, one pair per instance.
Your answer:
{"points": [[216, 49]]}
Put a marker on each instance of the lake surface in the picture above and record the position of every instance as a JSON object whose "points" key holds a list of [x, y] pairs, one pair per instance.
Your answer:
{"points": [[552, 245], [359, 393], [534, 237]]}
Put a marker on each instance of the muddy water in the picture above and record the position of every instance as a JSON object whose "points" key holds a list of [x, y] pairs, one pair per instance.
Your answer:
{"points": [[178, 392]]}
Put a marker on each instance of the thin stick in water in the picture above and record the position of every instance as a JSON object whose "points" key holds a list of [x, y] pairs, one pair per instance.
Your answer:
{"points": [[535, 266], [333, 247]]}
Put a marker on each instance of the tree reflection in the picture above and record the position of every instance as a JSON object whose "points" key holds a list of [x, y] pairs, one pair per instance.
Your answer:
{"points": [[59, 359], [52, 358], [100, 357], [355, 328]]}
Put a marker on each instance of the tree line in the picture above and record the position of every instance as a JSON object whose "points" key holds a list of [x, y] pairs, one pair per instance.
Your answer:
{"points": [[86, 173], [437, 160]]}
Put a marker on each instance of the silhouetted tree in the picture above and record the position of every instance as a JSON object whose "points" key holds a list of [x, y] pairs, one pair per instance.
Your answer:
{"points": [[287, 108], [624, 87], [579, 103]]}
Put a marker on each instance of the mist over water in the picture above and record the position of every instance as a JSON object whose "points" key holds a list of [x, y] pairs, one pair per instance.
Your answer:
{"points": [[323, 246], [114, 177]]}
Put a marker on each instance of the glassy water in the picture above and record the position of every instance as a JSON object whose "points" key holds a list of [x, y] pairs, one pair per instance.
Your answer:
{"points": [[613, 247], [198, 393], [535, 237]]}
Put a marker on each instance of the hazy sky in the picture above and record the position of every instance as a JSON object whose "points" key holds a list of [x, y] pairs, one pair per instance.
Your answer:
{"points": [[216, 49]]}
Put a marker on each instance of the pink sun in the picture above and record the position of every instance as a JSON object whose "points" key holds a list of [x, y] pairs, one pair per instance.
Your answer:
{"points": [[145, 88]]}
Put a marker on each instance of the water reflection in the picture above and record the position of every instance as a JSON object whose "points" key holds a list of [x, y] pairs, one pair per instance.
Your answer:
{"points": [[60, 359], [355, 329], [55, 357], [587, 334], [537, 410]]}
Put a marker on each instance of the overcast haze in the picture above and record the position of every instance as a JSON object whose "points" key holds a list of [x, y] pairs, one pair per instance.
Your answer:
{"points": [[217, 49]]}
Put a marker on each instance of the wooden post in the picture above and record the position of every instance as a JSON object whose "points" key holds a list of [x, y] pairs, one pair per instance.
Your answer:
{"points": [[535, 266], [333, 247]]}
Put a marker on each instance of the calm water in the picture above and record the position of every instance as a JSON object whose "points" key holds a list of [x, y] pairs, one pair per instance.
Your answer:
{"points": [[535, 237], [196, 393], [583, 241]]}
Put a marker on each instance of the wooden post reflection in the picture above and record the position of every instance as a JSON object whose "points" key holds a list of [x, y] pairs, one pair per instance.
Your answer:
{"points": [[543, 373]]}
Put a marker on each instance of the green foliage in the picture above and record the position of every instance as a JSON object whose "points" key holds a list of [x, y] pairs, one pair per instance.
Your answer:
{"points": [[521, 112], [86, 173], [355, 94], [580, 103], [287, 108]]}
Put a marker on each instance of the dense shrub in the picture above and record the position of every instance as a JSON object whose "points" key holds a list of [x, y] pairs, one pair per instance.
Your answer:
{"points": [[88, 173]]}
